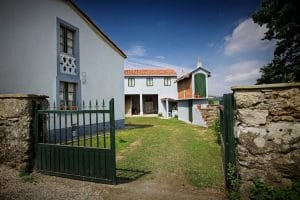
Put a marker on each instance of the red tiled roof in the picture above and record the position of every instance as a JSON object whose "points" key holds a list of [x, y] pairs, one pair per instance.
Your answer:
{"points": [[150, 72]]}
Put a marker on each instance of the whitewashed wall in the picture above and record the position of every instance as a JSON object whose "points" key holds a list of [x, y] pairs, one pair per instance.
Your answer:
{"points": [[158, 88], [193, 80], [28, 52], [183, 111]]}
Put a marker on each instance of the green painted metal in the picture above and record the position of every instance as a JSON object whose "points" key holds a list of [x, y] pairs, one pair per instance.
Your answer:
{"points": [[190, 110], [227, 133], [68, 158], [200, 85]]}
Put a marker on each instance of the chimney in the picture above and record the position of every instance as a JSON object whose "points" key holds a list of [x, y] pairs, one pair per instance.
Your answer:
{"points": [[199, 63]]}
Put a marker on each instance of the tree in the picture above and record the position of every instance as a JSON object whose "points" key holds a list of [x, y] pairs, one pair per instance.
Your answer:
{"points": [[282, 20]]}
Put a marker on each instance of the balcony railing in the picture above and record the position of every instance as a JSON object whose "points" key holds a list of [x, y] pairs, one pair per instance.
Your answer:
{"points": [[67, 64]]}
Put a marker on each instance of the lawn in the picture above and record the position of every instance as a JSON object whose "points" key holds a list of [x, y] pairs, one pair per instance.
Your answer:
{"points": [[161, 146], [171, 146]]}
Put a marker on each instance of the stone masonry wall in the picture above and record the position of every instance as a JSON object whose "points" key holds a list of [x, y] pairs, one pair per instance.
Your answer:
{"points": [[16, 130], [210, 114], [267, 128]]}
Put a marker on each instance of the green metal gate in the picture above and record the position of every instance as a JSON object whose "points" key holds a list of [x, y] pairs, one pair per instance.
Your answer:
{"points": [[227, 133], [78, 144]]}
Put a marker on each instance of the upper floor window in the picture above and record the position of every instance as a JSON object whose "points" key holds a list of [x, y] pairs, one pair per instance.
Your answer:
{"points": [[167, 81], [67, 95], [66, 40], [131, 82], [149, 81]]}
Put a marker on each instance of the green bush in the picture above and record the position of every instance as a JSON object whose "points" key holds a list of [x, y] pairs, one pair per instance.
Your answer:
{"points": [[211, 101], [263, 191], [234, 182], [159, 114], [217, 129], [175, 117]]}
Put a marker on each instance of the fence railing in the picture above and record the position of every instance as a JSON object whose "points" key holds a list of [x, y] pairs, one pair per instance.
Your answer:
{"points": [[227, 134], [77, 144], [88, 126]]}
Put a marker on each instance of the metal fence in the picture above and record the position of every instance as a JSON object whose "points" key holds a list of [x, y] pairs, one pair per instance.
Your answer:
{"points": [[77, 143], [227, 134]]}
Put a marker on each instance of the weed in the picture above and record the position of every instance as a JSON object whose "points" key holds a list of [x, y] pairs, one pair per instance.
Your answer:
{"points": [[234, 182], [26, 177], [264, 191]]}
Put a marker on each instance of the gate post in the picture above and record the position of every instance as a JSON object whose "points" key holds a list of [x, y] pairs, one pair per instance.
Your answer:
{"points": [[112, 140], [228, 134]]}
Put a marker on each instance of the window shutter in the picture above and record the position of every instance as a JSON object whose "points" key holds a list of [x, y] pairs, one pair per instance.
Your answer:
{"points": [[200, 85]]}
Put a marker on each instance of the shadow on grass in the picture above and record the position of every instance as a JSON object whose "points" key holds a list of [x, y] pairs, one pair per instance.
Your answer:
{"points": [[135, 126], [129, 175]]}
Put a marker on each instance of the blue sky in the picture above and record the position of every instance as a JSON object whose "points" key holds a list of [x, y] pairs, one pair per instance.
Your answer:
{"points": [[174, 33]]}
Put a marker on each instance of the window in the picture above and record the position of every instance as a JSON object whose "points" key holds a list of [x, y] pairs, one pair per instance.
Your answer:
{"points": [[131, 82], [167, 81], [66, 40], [149, 81], [67, 95]]}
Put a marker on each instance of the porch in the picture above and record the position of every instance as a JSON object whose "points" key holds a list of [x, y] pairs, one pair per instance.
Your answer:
{"points": [[141, 104]]}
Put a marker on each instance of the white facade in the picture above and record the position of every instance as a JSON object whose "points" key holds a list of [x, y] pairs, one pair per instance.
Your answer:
{"points": [[188, 108], [29, 53], [164, 93]]}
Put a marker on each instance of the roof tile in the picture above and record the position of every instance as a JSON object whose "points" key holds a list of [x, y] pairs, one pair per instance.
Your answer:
{"points": [[150, 72]]}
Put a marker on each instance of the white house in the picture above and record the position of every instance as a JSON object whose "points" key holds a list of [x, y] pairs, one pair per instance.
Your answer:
{"points": [[193, 95], [150, 91], [51, 47]]}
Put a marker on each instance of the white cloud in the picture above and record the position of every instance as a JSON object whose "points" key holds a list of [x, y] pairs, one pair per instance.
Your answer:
{"points": [[146, 63], [240, 73], [246, 37], [160, 57], [136, 50]]}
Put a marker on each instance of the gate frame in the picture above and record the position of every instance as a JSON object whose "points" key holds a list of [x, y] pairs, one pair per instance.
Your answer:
{"points": [[111, 152], [228, 143]]}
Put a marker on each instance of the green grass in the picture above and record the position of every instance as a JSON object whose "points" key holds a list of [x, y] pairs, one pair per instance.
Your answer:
{"points": [[169, 146]]}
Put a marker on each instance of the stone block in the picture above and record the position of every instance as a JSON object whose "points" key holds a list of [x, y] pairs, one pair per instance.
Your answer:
{"points": [[252, 117], [248, 99]]}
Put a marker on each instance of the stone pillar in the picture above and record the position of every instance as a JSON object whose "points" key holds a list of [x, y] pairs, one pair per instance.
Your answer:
{"points": [[141, 104], [267, 129], [16, 129]]}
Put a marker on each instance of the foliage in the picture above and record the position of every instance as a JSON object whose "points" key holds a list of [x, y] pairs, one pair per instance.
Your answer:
{"points": [[263, 191], [234, 181], [282, 20], [217, 129], [160, 114], [211, 101], [26, 177], [175, 117]]}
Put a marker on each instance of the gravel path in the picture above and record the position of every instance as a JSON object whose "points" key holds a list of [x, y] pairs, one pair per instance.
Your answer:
{"points": [[50, 187]]}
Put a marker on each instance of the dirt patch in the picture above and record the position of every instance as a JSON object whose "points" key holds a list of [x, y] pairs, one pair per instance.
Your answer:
{"points": [[129, 149], [50, 187]]}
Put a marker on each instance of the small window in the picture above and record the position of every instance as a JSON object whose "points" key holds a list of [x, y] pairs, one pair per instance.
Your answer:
{"points": [[66, 40], [167, 81], [149, 81], [131, 82], [67, 95]]}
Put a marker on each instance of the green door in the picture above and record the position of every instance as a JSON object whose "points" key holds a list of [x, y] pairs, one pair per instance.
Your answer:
{"points": [[200, 85], [190, 110]]}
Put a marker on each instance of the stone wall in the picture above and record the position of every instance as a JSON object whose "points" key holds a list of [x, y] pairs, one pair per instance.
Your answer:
{"points": [[16, 129], [210, 114], [267, 129]]}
